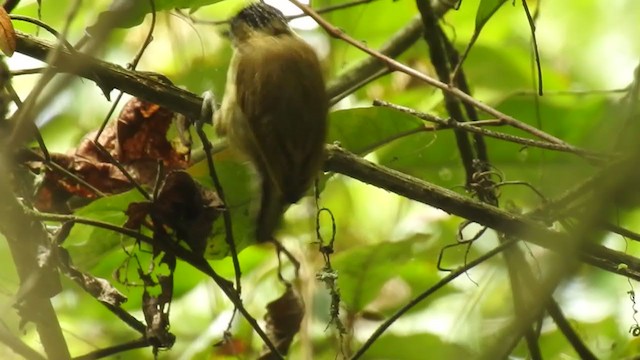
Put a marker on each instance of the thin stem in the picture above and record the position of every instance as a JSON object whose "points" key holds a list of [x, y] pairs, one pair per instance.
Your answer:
{"points": [[397, 66], [186, 255], [474, 128], [415, 301]]}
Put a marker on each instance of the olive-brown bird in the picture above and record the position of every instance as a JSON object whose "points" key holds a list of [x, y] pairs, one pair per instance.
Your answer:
{"points": [[274, 110]]}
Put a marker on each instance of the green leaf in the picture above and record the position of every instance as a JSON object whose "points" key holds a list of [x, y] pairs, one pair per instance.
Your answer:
{"points": [[362, 130], [430, 156], [88, 244], [413, 347], [127, 13], [363, 270], [236, 181], [486, 9], [356, 21]]}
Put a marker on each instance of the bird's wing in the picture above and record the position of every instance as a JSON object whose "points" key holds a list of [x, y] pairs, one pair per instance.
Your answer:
{"points": [[284, 110]]}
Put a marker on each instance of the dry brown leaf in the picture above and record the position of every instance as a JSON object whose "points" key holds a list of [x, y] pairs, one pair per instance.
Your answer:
{"points": [[283, 318], [231, 347], [138, 140], [7, 34], [57, 188], [182, 205], [142, 134], [156, 306]]}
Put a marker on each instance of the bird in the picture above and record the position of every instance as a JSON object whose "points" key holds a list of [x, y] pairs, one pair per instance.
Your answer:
{"points": [[274, 110]]}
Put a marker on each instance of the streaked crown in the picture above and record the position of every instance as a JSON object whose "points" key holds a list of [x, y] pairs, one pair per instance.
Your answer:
{"points": [[258, 17]]}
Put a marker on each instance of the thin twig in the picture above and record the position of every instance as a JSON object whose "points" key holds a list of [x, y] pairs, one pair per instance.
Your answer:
{"points": [[32, 71], [218, 186], [472, 127], [341, 161], [532, 26], [131, 66], [565, 327], [104, 152], [24, 115], [415, 301], [113, 350], [57, 167], [397, 66], [47, 27], [184, 254], [365, 70]]}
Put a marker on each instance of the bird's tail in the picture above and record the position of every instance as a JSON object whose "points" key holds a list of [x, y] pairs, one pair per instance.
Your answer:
{"points": [[272, 208]]}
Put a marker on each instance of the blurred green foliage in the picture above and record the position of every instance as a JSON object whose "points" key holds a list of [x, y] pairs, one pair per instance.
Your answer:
{"points": [[386, 247]]}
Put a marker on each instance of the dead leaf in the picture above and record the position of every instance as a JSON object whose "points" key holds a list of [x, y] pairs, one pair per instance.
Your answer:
{"points": [[156, 307], [231, 347], [57, 188], [138, 140], [142, 134], [7, 34], [99, 288], [283, 318], [182, 205]]}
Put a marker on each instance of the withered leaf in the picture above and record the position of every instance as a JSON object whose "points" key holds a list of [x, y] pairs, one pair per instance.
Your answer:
{"points": [[283, 318], [7, 34], [57, 188], [99, 288], [231, 347], [137, 140], [182, 205], [156, 307], [142, 134], [136, 215]]}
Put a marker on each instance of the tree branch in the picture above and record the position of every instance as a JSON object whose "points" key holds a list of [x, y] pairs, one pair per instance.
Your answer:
{"points": [[425, 294], [109, 76], [397, 44], [473, 127], [344, 162]]}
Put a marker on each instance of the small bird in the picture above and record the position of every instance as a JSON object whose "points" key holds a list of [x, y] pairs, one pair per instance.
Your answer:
{"points": [[274, 110]]}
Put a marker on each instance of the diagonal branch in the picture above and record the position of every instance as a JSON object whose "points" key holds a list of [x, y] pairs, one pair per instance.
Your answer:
{"points": [[473, 127], [344, 162], [109, 76], [398, 66], [180, 252], [415, 301]]}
